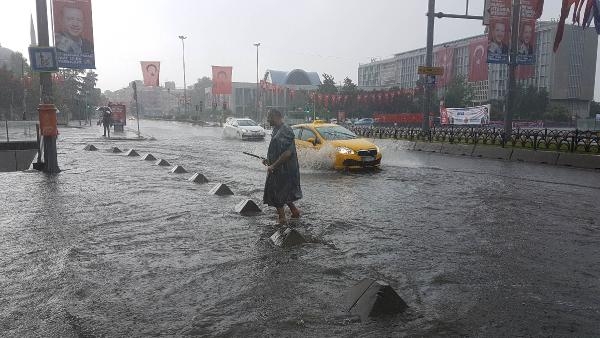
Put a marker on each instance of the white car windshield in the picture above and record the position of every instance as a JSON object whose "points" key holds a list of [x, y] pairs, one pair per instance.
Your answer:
{"points": [[336, 133], [246, 123]]}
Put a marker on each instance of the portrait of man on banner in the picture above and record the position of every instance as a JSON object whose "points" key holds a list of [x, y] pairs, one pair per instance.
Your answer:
{"points": [[221, 80], [151, 73], [499, 33], [73, 34]]}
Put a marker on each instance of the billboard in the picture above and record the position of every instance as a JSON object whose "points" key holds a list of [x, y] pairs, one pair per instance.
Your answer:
{"points": [[499, 31], [478, 67], [221, 80], [118, 113], [73, 34], [151, 72], [479, 115]]}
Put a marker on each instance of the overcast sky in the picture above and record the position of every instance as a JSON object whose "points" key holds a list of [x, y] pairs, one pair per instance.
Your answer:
{"points": [[331, 36]]}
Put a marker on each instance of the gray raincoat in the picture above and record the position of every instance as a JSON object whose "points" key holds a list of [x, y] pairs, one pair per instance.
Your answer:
{"points": [[283, 185]]}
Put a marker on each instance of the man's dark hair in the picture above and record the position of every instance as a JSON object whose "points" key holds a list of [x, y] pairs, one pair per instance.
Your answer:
{"points": [[152, 65], [275, 112]]}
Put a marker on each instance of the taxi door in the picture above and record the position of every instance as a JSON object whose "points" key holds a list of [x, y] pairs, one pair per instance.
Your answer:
{"points": [[306, 138]]}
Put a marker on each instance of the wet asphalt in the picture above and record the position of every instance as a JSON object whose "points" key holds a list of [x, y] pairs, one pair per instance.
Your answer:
{"points": [[116, 246]]}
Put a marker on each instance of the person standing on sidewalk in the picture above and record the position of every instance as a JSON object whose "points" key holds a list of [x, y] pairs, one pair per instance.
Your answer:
{"points": [[282, 186], [106, 121]]}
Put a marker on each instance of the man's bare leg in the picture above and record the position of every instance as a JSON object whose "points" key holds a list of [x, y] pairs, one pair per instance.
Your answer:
{"points": [[294, 210]]}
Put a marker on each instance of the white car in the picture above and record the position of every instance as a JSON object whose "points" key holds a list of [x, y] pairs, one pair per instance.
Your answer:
{"points": [[243, 129]]}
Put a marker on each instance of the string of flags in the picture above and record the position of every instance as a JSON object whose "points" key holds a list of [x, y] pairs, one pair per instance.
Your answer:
{"points": [[591, 11]]}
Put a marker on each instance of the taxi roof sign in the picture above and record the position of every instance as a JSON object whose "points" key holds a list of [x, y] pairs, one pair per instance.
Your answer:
{"points": [[431, 70]]}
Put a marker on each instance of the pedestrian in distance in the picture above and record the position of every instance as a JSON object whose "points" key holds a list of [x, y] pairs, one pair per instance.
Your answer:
{"points": [[106, 121], [282, 186]]}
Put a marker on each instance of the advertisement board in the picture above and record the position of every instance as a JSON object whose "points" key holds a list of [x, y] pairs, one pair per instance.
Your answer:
{"points": [[118, 114], [479, 115]]}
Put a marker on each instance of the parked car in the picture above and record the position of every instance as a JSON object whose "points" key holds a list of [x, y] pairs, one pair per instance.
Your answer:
{"points": [[243, 129], [351, 151], [367, 121]]}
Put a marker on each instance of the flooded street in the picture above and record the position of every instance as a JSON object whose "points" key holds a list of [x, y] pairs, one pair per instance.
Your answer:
{"points": [[117, 246]]}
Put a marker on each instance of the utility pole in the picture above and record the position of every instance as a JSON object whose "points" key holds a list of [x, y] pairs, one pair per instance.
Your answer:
{"points": [[429, 63], [184, 83], [258, 117], [512, 67], [431, 15], [46, 107]]}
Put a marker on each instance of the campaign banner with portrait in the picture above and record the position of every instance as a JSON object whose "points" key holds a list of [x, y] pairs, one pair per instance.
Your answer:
{"points": [[221, 80], [444, 57], [499, 31], [530, 11], [479, 115], [73, 34], [478, 67], [151, 73]]}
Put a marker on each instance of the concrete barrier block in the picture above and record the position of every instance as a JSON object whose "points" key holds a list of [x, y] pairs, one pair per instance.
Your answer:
{"points": [[534, 156], [198, 178], [178, 170], [149, 157], [162, 163], [287, 237], [428, 147], [371, 298], [247, 208], [494, 152], [24, 158], [115, 150], [132, 153], [90, 147], [458, 149], [220, 190], [579, 160]]}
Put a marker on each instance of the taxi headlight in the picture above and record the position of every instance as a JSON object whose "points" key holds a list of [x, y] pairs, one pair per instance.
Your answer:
{"points": [[344, 150]]}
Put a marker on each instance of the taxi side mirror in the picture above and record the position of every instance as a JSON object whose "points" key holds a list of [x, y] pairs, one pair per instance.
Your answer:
{"points": [[312, 140]]}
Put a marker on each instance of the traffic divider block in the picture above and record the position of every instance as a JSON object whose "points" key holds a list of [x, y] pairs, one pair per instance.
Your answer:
{"points": [[458, 149], [534, 156], [494, 152], [579, 160], [371, 298]]}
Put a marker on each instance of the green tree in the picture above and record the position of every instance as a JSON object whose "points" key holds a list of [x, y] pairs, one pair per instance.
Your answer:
{"points": [[594, 109], [349, 87], [328, 86], [459, 93], [557, 113]]}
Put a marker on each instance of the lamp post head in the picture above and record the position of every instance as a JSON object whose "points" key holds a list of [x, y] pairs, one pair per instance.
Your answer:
{"points": [[257, 44], [182, 37]]}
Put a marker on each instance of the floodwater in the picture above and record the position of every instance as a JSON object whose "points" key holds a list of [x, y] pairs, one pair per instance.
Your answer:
{"points": [[116, 246]]}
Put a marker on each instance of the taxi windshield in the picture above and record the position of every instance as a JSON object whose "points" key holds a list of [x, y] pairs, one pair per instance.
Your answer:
{"points": [[246, 123], [335, 133]]}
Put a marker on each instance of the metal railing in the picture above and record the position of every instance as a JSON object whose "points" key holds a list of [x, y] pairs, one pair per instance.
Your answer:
{"points": [[536, 139], [13, 131]]}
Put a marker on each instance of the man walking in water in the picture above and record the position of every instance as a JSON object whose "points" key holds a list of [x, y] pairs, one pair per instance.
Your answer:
{"points": [[282, 186]]}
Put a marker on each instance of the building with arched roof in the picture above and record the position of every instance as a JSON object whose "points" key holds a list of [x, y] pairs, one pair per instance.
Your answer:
{"points": [[296, 77]]}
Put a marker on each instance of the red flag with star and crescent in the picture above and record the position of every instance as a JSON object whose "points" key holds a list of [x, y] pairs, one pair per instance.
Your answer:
{"points": [[478, 67], [444, 57]]}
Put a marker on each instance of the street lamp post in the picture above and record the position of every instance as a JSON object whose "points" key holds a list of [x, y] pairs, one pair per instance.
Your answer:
{"points": [[257, 84], [184, 82]]}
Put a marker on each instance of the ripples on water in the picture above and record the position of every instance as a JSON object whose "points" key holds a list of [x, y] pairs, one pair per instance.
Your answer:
{"points": [[116, 246]]}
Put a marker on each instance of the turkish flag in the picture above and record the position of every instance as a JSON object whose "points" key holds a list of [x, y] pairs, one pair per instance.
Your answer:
{"points": [[444, 57], [478, 67]]}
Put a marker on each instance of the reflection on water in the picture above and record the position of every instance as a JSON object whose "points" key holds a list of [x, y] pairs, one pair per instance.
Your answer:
{"points": [[117, 246]]}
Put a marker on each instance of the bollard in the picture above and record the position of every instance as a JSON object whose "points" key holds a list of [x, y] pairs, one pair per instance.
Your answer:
{"points": [[371, 298], [178, 170], [162, 163], [90, 147], [198, 178], [149, 157], [287, 237], [220, 190], [132, 153], [247, 208]]}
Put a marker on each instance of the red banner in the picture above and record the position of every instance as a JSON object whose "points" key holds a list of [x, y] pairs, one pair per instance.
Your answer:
{"points": [[73, 34], [151, 72], [221, 80], [118, 113], [407, 118], [524, 72], [444, 57], [478, 67]]}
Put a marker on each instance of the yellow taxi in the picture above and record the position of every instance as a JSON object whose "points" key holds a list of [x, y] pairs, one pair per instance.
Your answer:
{"points": [[349, 151]]}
